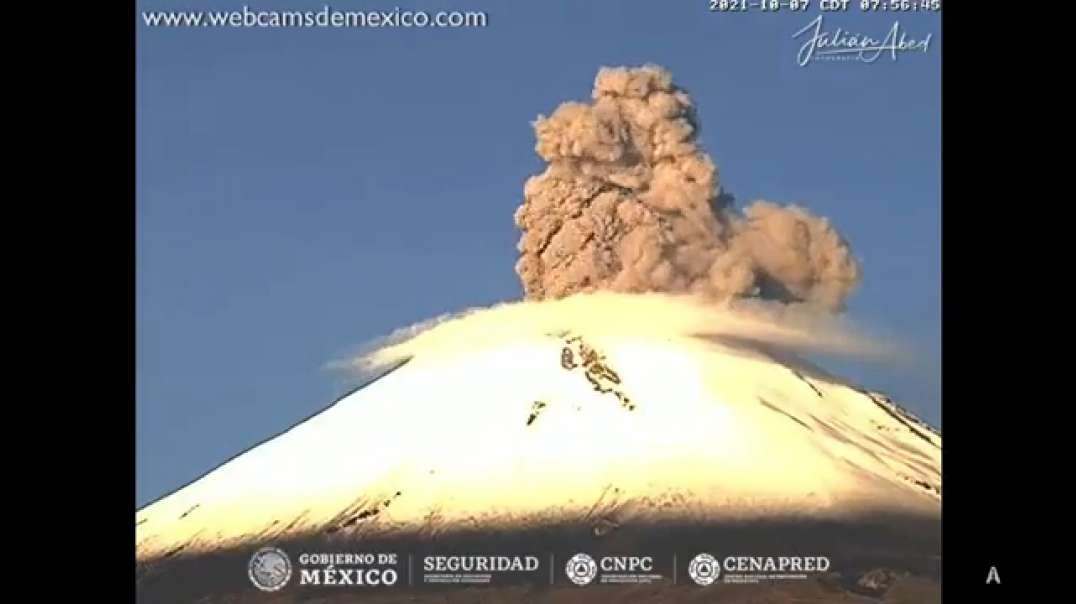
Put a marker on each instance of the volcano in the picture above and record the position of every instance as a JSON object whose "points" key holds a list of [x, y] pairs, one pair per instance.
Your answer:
{"points": [[556, 437]]}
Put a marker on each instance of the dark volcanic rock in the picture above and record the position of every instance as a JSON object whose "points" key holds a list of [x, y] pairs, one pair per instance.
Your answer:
{"points": [[877, 581]]}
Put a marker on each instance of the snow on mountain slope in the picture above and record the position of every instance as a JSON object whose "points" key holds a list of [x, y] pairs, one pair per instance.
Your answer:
{"points": [[537, 425]]}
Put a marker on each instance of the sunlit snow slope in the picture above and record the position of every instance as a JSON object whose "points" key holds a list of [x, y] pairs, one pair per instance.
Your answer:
{"points": [[548, 427]]}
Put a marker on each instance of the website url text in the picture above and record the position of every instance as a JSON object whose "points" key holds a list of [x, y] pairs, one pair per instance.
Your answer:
{"points": [[327, 17]]}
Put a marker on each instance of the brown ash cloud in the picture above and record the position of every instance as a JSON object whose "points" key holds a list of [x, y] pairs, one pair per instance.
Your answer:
{"points": [[629, 202]]}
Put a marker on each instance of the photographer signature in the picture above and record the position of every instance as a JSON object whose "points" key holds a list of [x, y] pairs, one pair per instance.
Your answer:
{"points": [[850, 45]]}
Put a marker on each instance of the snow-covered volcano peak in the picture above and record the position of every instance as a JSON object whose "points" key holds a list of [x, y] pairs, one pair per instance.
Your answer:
{"points": [[562, 424]]}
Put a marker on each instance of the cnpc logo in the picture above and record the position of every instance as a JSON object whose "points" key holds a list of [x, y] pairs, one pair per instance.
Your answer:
{"points": [[631, 564], [582, 569]]}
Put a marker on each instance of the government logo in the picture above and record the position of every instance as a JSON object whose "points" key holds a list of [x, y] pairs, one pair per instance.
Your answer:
{"points": [[581, 569], [704, 569], [269, 569]]}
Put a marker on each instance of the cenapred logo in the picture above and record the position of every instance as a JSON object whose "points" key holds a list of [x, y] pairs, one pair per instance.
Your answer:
{"points": [[581, 569], [704, 569], [269, 569]]}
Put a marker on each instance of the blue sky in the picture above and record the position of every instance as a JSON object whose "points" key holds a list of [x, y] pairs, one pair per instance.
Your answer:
{"points": [[300, 192]]}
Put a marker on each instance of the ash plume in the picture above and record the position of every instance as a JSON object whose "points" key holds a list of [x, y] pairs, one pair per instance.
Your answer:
{"points": [[630, 203]]}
